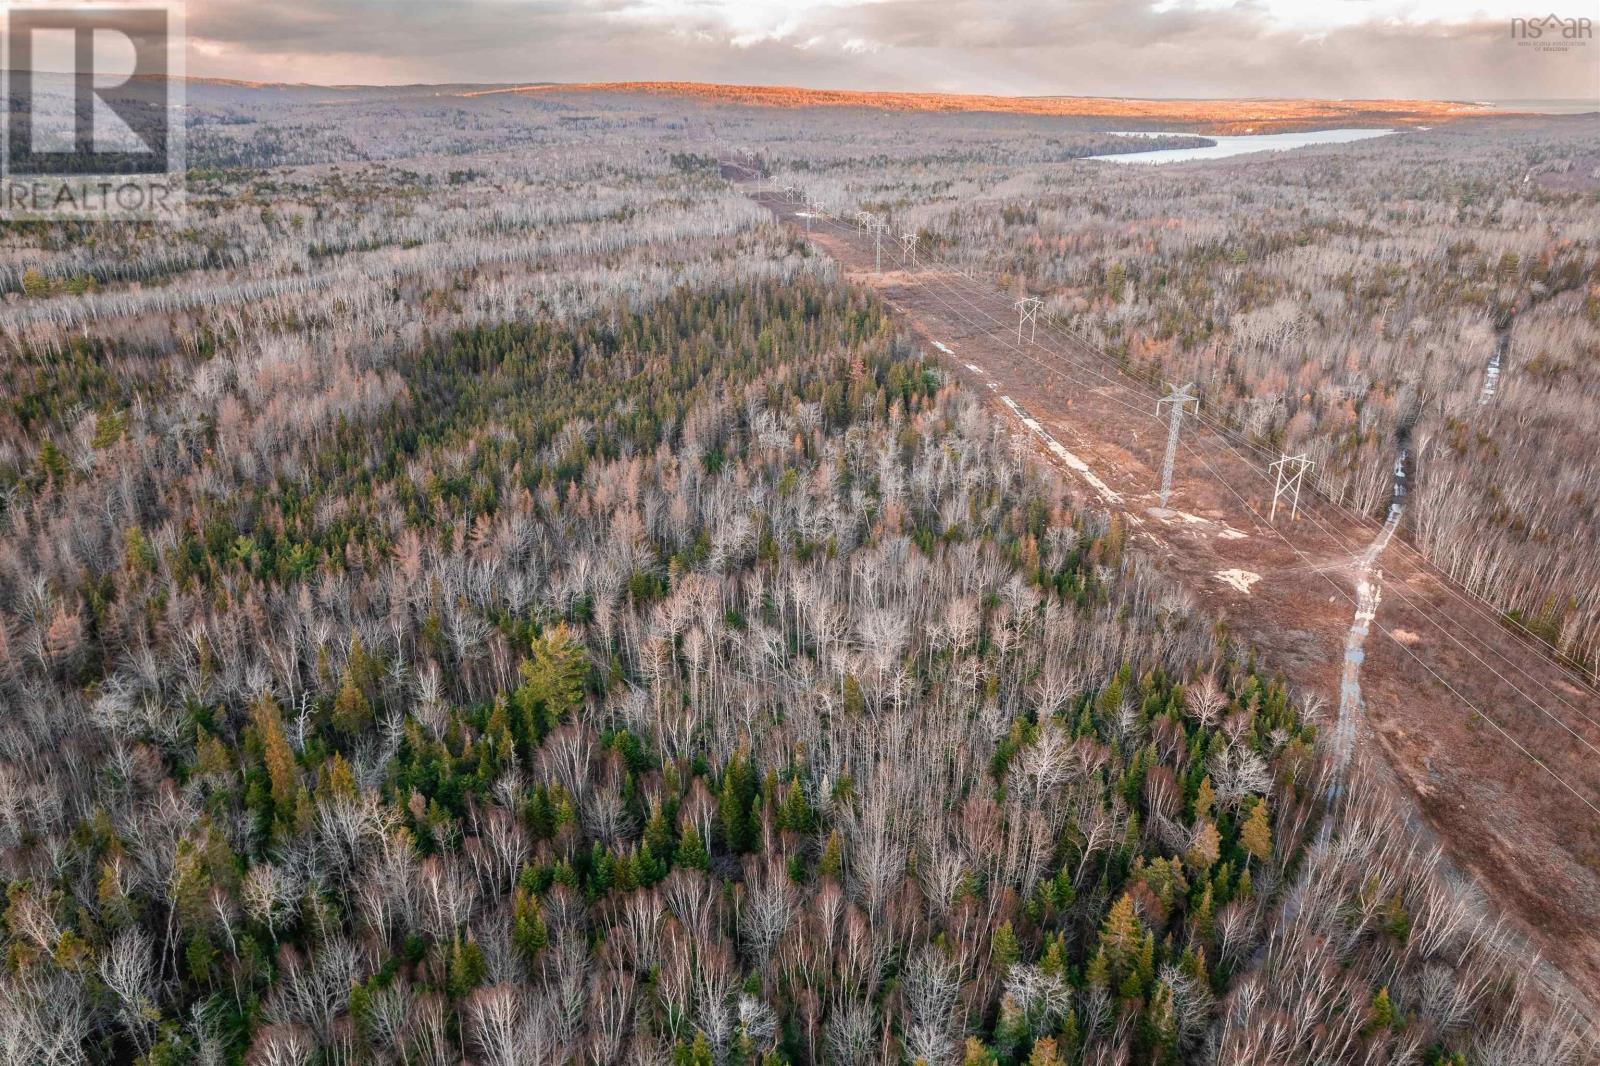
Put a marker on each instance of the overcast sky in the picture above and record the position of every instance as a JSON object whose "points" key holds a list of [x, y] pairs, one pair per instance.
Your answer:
{"points": [[1456, 49]]}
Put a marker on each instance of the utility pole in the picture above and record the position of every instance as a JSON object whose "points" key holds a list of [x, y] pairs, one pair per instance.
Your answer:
{"points": [[1028, 314], [878, 226], [1180, 399], [908, 243], [1291, 471]]}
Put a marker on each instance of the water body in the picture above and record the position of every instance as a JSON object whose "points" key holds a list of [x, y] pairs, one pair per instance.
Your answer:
{"points": [[1238, 145]]}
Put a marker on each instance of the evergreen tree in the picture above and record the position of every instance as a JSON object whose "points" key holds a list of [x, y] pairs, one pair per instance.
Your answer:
{"points": [[1205, 846], [1005, 950], [733, 805], [1121, 937], [527, 925], [658, 836], [1256, 836], [1044, 1053], [467, 969], [552, 682], [691, 850], [832, 863], [795, 813], [276, 756], [975, 1054], [1380, 1012], [351, 711]]}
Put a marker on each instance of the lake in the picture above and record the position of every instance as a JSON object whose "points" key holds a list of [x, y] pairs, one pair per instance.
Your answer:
{"points": [[1237, 145]]}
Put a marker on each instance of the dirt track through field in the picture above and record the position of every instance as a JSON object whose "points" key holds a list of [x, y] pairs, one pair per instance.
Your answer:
{"points": [[1369, 594], [1495, 743]]}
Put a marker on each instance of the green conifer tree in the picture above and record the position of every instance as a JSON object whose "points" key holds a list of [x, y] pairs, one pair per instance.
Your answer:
{"points": [[691, 851]]}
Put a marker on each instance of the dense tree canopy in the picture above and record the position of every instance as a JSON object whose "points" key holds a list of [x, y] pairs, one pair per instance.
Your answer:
{"points": [[484, 593]]}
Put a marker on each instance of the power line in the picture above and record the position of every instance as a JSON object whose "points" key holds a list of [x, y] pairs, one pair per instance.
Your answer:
{"points": [[1178, 399], [1307, 565], [1359, 519], [1336, 538], [1291, 471], [1398, 590], [1473, 601], [1422, 611]]}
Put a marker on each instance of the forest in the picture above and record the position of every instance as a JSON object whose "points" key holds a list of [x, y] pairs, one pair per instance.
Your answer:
{"points": [[491, 594], [1439, 287]]}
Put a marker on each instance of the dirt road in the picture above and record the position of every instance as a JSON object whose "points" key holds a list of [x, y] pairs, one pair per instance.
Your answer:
{"points": [[1494, 742]]}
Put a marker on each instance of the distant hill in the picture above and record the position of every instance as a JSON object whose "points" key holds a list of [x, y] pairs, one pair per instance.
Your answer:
{"points": [[1221, 115], [1212, 116]]}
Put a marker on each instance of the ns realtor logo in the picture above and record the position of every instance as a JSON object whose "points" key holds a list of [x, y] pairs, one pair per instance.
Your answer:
{"points": [[1552, 33], [93, 112]]}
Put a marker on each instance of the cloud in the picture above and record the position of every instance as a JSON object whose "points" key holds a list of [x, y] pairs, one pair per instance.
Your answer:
{"points": [[1078, 47]]}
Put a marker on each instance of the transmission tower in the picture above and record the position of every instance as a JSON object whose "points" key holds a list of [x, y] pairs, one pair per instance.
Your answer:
{"points": [[1291, 474], [908, 244], [811, 212], [1179, 399], [1028, 315]]}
